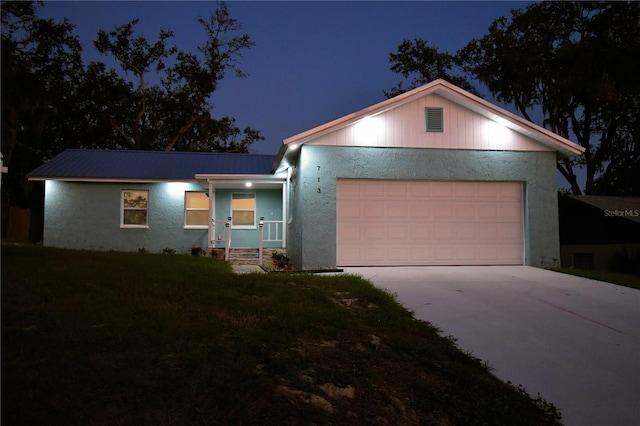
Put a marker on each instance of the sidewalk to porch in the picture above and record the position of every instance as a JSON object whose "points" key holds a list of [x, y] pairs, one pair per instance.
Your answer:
{"points": [[246, 269]]}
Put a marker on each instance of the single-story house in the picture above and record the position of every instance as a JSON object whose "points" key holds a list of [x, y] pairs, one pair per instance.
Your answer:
{"points": [[435, 176], [599, 232]]}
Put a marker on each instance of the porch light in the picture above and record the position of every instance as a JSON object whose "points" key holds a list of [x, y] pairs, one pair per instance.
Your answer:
{"points": [[293, 147], [248, 184]]}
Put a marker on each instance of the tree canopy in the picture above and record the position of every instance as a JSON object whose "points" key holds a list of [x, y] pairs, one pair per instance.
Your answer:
{"points": [[175, 112], [571, 67], [157, 98], [422, 63], [40, 63]]}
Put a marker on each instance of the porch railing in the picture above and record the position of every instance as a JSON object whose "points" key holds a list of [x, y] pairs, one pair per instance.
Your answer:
{"points": [[271, 231], [221, 238]]}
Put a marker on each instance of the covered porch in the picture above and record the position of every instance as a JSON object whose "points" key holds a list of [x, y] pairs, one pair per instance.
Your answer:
{"points": [[246, 214]]}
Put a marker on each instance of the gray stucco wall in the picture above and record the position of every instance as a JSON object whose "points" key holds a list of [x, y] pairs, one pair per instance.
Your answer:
{"points": [[82, 215], [312, 234]]}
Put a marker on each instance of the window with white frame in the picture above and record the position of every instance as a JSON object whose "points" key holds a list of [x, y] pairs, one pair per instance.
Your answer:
{"points": [[196, 210], [135, 209], [243, 211]]}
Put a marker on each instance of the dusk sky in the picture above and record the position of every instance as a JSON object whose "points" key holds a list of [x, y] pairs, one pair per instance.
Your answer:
{"points": [[313, 62]]}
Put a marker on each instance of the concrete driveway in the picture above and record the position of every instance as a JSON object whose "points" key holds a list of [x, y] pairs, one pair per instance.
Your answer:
{"points": [[573, 340]]}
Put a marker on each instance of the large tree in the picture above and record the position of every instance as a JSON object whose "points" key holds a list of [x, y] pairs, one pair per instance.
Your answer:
{"points": [[573, 67], [169, 103], [52, 101], [41, 68], [421, 63]]}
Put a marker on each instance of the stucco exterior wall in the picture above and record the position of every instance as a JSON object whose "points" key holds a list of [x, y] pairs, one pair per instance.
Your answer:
{"points": [[312, 234], [82, 215]]}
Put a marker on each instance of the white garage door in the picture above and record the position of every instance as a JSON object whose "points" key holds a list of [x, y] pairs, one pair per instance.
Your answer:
{"points": [[429, 223]]}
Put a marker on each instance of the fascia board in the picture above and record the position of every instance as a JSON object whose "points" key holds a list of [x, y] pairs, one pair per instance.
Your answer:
{"points": [[518, 124], [240, 178], [106, 180], [459, 96]]}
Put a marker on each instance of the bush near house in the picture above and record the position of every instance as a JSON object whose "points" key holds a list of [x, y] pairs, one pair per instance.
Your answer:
{"points": [[127, 338]]}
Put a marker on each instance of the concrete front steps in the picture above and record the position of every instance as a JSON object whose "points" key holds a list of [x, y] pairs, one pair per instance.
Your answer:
{"points": [[248, 256]]}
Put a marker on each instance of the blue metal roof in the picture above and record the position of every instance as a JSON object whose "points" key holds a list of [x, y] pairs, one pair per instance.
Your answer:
{"points": [[153, 165]]}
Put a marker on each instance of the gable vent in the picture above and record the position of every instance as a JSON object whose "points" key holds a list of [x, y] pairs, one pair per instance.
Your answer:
{"points": [[435, 119]]}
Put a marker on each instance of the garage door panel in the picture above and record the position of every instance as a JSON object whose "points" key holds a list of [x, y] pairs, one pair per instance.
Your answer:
{"points": [[446, 232], [394, 189], [428, 223], [442, 211], [394, 232], [348, 233], [466, 232], [510, 212], [486, 193], [372, 210], [397, 211], [421, 232], [348, 189], [419, 210], [398, 254], [349, 209], [374, 234], [441, 190], [510, 233], [487, 211], [464, 191], [510, 192], [465, 211], [419, 190]]}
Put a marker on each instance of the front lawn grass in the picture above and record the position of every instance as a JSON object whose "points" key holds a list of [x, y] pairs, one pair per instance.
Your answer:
{"points": [[626, 280], [108, 338]]}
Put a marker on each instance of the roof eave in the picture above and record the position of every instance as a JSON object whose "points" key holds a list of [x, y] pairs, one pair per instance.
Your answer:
{"points": [[232, 177], [106, 179], [564, 147]]}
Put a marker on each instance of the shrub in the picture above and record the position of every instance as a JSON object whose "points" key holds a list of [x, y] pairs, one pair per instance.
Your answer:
{"points": [[280, 260], [625, 261], [197, 251]]}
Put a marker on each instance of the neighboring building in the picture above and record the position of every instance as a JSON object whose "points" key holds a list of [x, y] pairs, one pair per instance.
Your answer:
{"points": [[600, 232], [435, 176]]}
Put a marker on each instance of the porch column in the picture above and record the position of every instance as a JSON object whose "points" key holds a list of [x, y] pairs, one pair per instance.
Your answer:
{"points": [[285, 203], [212, 215]]}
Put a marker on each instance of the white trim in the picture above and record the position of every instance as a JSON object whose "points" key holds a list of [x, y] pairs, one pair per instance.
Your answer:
{"points": [[241, 178], [109, 180], [122, 209], [185, 210], [255, 211], [212, 215], [285, 194]]}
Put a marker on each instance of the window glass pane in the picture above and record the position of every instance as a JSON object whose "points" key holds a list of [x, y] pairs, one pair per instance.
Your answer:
{"points": [[197, 200], [135, 199], [197, 217], [243, 218], [134, 217], [243, 204]]}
